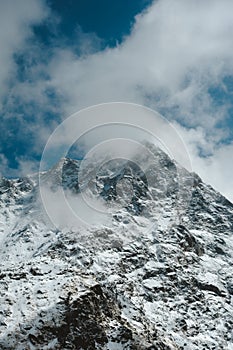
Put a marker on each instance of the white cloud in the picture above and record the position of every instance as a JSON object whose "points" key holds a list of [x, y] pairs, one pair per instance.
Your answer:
{"points": [[69, 211], [175, 52], [218, 169], [16, 18], [214, 165]]}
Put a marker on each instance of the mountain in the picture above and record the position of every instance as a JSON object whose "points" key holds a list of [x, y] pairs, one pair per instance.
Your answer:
{"points": [[149, 266]]}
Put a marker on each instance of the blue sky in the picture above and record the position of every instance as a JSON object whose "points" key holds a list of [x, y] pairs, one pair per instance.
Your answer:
{"points": [[175, 56], [65, 24], [109, 20]]}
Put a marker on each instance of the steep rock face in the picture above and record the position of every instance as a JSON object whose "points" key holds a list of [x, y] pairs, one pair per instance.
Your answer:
{"points": [[158, 275]]}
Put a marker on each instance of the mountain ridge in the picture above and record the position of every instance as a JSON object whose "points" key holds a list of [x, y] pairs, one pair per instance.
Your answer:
{"points": [[155, 278]]}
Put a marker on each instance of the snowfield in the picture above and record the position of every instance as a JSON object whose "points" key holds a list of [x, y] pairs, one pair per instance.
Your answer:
{"points": [[155, 273]]}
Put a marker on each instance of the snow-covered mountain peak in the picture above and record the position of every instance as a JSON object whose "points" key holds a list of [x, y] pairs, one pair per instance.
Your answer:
{"points": [[157, 274]]}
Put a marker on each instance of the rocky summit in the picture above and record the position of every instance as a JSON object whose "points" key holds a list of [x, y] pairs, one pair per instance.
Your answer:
{"points": [[155, 273]]}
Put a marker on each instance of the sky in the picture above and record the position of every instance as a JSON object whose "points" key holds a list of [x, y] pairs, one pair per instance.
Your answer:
{"points": [[174, 56]]}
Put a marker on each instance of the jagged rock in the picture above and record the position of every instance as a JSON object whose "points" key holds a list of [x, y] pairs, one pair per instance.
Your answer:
{"points": [[157, 275]]}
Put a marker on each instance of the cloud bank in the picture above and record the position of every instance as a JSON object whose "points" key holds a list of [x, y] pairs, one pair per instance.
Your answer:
{"points": [[177, 51]]}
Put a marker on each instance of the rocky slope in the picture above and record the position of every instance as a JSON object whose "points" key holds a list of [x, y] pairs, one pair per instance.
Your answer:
{"points": [[156, 275]]}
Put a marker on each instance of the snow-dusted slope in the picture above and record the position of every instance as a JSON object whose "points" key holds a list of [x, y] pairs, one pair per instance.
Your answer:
{"points": [[156, 275]]}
